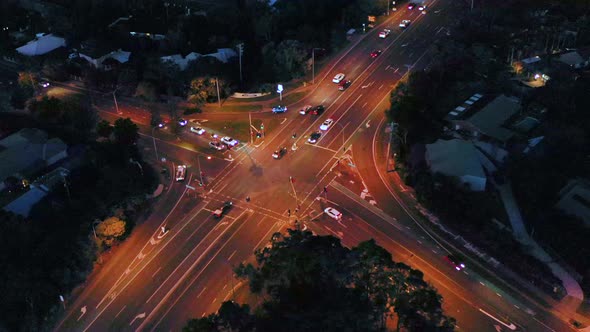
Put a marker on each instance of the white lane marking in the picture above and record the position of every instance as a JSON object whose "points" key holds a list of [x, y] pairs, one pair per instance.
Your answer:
{"points": [[323, 100], [201, 293], [120, 311], [387, 67], [139, 316], [547, 327], [517, 307], [395, 71], [499, 294], [365, 104], [511, 326], [215, 299], [482, 283], [158, 270], [380, 87], [232, 255], [419, 241]]}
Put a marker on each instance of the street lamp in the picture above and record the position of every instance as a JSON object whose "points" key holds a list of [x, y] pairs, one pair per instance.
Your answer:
{"points": [[154, 140], [200, 171], [115, 99], [313, 63]]}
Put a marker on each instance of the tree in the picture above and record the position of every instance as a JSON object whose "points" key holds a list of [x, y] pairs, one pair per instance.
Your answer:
{"points": [[27, 80], [313, 283], [111, 229], [147, 91], [126, 132], [104, 129], [202, 90], [5, 104]]}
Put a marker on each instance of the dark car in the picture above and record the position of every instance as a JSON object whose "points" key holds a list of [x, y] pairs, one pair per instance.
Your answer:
{"points": [[344, 85], [318, 110], [456, 261], [375, 53], [279, 153], [223, 209], [314, 137], [411, 6]]}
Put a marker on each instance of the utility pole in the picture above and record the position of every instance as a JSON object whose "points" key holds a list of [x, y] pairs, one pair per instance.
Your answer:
{"points": [[240, 53], [218, 96], [200, 172]]}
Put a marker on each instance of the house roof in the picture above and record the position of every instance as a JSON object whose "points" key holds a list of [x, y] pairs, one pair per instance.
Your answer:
{"points": [[181, 61], [25, 202], [223, 54], [42, 45], [27, 151], [530, 61], [454, 158], [571, 58], [575, 199], [489, 119]]}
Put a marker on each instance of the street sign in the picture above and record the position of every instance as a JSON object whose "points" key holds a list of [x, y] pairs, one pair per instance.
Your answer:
{"points": [[279, 88], [190, 187]]}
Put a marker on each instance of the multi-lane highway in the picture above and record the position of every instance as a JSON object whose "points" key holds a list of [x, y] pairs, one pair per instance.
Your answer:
{"points": [[163, 279]]}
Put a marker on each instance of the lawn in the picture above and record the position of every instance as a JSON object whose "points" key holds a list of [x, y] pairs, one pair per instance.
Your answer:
{"points": [[65, 94], [233, 108], [240, 129]]}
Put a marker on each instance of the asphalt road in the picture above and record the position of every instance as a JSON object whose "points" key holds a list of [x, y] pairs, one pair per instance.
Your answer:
{"points": [[163, 279]]}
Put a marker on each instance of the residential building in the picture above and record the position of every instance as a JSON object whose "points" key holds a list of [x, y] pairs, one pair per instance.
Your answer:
{"points": [[488, 122], [43, 44], [27, 152], [574, 199], [575, 59], [96, 55], [37, 191], [457, 158], [223, 55]]}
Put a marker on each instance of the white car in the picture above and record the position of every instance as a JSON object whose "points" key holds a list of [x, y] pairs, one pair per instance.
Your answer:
{"points": [[384, 33], [217, 145], [180, 172], [421, 7], [404, 23], [229, 141], [305, 109], [333, 213], [182, 122], [338, 78], [197, 130], [326, 125], [44, 84]]}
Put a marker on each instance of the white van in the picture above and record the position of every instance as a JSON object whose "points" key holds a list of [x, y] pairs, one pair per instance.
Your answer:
{"points": [[180, 172]]}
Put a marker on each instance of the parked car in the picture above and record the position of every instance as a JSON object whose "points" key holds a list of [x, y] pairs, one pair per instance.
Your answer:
{"points": [[339, 77], [305, 109], [384, 33], [333, 213], [278, 154], [279, 109], [182, 122], [197, 130], [217, 145], [222, 209], [180, 172]]}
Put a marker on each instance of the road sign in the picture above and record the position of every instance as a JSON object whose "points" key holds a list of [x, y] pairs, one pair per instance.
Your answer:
{"points": [[190, 187], [279, 88]]}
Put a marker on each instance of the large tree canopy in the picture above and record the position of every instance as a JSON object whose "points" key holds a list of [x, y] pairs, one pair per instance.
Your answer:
{"points": [[313, 283]]}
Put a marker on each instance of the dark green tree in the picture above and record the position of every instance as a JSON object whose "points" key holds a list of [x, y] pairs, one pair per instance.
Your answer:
{"points": [[313, 283], [104, 129], [126, 132]]}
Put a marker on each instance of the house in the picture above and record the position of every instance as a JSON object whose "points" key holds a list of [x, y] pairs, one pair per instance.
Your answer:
{"points": [[457, 158], [223, 54], [489, 121], [41, 45], [96, 55], [37, 191], [574, 199], [136, 27], [575, 59], [179, 60], [27, 152]]}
